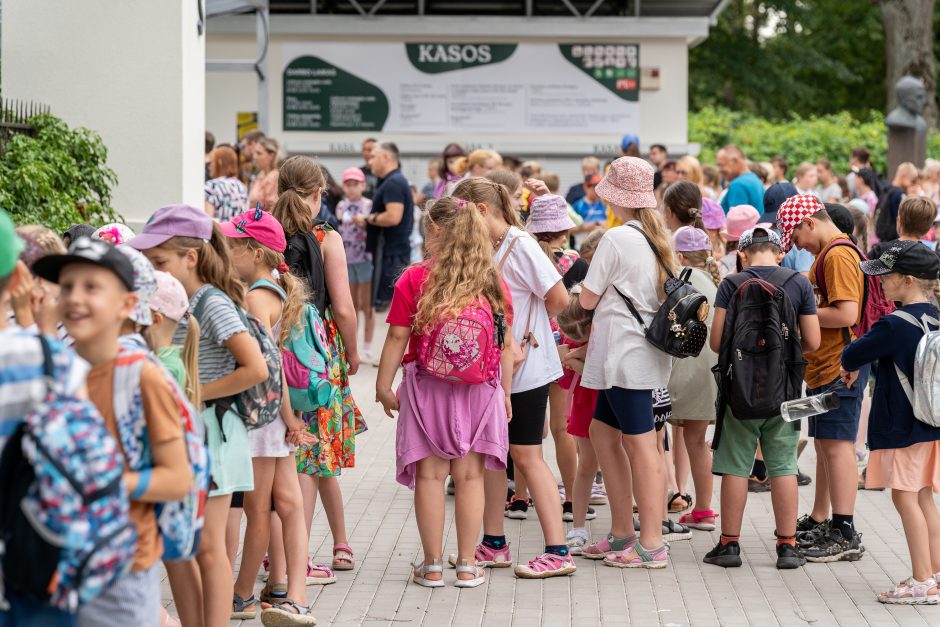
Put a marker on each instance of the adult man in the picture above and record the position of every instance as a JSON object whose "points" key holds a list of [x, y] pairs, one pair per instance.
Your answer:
{"points": [[780, 165], [389, 225], [371, 179], [829, 189], [658, 157], [246, 148], [859, 159], [590, 166], [744, 187]]}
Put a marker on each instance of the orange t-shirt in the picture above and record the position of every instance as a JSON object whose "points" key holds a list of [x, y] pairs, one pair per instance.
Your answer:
{"points": [[163, 425], [844, 281]]}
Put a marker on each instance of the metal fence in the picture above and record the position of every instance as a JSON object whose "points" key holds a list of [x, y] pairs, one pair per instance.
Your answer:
{"points": [[14, 118]]}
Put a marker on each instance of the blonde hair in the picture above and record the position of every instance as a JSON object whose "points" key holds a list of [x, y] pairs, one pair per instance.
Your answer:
{"points": [[47, 239], [189, 354], [272, 147], [213, 262], [589, 245], [693, 169], [293, 308], [803, 169], [916, 215], [463, 269], [484, 190], [655, 228], [574, 320], [298, 178], [479, 158], [506, 177], [703, 260]]}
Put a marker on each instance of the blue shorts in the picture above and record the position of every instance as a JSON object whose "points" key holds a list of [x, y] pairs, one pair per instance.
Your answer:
{"points": [[841, 423], [360, 272], [630, 411]]}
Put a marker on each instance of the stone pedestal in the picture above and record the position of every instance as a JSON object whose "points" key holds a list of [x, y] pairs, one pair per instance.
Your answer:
{"points": [[906, 144]]}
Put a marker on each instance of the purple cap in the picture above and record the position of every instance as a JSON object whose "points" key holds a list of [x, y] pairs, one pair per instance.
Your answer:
{"points": [[173, 221], [689, 239], [712, 214]]}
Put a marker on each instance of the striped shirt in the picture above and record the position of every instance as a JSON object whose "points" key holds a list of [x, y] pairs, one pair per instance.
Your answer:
{"points": [[218, 322]]}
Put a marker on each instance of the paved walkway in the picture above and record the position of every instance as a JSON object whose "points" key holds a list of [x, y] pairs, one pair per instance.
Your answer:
{"points": [[383, 533]]}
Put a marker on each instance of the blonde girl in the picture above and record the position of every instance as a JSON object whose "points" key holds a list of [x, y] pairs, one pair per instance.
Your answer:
{"points": [[267, 158], [537, 294], [443, 427], [184, 242], [624, 367]]}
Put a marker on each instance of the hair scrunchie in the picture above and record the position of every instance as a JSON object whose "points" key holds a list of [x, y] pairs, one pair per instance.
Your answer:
{"points": [[461, 203], [282, 268]]}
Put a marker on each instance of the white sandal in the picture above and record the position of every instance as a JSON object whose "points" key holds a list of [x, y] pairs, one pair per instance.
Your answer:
{"points": [[465, 567], [423, 570]]}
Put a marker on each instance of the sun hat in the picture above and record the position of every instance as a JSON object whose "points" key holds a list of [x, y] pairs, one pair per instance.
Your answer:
{"points": [[10, 245], [628, 184], [713, 216], [690, 239], [740, 218], [549, 214], [792, 212], [258, 225], [628, 139], [758, 235], [115, 233], [903, 257], [87, 250], [145, 284], [170, 297], [353, 174], [774, 197], [173, 221]]}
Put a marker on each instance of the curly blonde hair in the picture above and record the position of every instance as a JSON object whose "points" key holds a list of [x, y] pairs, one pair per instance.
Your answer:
{"points": [[462, 270]]}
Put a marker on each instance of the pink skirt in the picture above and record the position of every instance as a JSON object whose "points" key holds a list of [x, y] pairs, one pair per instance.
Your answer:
{"points": [[910, 469], [448, 420]]}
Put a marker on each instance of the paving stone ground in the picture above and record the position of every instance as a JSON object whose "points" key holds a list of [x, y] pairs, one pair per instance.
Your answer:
{"points": [[382, 531]]}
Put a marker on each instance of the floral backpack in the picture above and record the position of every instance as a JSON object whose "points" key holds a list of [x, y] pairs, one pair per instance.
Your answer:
{"points": [[466, 348], [180, 522]]}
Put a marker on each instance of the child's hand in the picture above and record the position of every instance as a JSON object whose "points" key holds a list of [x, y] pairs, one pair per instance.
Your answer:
{"points": [[389, 401], [359, 220], [21, 295], [45, 304], [848, 378], [508, 409], [301, 437], [353, 361], [576, 353], [537, 187]]}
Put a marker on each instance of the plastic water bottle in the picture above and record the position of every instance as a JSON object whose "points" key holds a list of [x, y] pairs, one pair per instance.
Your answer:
{"points": [[800, 408]]}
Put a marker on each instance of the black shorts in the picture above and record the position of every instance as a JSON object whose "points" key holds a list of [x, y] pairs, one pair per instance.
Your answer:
{"points": [[528, 416], [630, 411]]}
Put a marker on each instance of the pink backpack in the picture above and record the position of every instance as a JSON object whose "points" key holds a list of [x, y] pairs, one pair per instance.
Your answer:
{"points": [[464, 349]]}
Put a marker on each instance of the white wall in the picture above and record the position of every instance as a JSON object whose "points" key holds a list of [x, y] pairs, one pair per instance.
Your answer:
{"points": [[131, 70]]}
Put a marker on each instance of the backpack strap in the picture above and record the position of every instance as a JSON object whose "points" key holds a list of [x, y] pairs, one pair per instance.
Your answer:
{"points": [[200, 307], [821, 278], [502, 260], [269, 285], [632, 308], [923, 326]]}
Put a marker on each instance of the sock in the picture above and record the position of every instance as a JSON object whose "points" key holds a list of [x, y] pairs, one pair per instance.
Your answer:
{"points": [[724, 539], [557, 549], [760, 470], [791, 540], [494, 542], [844, 523], [367, 347], [579, 531]]}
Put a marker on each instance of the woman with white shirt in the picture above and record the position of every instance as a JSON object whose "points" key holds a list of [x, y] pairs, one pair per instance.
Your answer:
{"points": [[625, 367], [537, 294]]}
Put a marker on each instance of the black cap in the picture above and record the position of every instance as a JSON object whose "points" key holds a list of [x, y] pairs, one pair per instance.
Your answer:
{"points": [[910, 258], [774, 197], [87, 250]]}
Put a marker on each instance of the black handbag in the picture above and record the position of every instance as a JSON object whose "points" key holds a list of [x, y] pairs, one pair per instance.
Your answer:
{"points": [[678, 328]]}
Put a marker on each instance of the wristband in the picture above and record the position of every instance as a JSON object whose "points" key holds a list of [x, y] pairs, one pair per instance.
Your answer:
{"points": [[143, 482]]}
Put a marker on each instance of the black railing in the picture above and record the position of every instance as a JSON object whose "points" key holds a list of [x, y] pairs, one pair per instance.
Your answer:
{"points": [[15, 116]]}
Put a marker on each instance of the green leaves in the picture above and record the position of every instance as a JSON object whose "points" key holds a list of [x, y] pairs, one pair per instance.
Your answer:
{"points": [[57, 178]]}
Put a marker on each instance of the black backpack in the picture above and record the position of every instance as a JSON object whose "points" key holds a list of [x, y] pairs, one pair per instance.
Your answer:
{"points": [[305, 259], [678, 328], [760, 362], [886, 227]]}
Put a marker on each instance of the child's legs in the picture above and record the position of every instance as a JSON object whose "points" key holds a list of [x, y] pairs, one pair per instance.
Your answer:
{"points": [[331, 495], [430, 474], [233, 530], [668, 473], [779, 442], [784, 496], [522, 488], [289, 506], [494, 491], [821, 499], [700, 462], [278, 562], [186, 587], [468, 503], [929, 507], [365, 304], [257, 531], [214, 566], [528, 461], [566, 451], [356, 293], [309, 486], [680, 458], [612, 457], [915, 531], [733, 499], [842, 474], [583, 480], [649, 484]]}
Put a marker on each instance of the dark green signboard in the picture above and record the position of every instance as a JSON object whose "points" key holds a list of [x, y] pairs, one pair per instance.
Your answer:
{"points": [[434, 58], [318, 96], [615, 66]]}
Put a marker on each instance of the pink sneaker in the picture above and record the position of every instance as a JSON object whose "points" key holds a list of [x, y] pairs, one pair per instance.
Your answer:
{"points": [[600, 550], [638, 557], [546, 565], [487, 557]]}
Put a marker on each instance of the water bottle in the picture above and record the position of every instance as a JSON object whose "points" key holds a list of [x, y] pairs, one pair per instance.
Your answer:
{"points": [[800, 408]]}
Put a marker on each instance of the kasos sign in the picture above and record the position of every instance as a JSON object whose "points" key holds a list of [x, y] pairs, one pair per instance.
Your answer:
{"points": [[436, 58]]}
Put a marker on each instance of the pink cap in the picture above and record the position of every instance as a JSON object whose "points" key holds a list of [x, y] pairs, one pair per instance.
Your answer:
{"points": [[258, 225], [170, 297], [353, 174], [689, 239], [740, 219], [713, 216]]}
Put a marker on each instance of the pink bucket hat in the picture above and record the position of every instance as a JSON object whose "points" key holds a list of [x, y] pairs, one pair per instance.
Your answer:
{"points": [[258, 225], [628, 184], [549, 214], [170, 297], [353, 174], [689, 239], [712, 214], [740, 219]]}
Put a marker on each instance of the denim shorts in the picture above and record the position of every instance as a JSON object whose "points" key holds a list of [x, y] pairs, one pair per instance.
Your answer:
{"points": [[630, 411], [841, 423], [360, 272]]}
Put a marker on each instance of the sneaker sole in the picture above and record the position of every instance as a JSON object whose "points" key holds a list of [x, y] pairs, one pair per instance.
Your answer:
{"points": [[594, 556], [701, 526], [678, 536], [517, 515], [725, 561], [320, 581], [568, 570], [244, 615], [846, 556], [912, 601], [649, 565], [789, 563], [597, 500], [569, 517], [500, 563], [279, 618]]}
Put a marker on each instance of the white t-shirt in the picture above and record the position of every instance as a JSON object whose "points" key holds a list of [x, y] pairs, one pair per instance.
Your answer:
{"points": [[618, 354], [529, 272]]}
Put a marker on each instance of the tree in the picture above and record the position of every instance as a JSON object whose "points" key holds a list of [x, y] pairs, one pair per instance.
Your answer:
{"points": [[909, 48]]}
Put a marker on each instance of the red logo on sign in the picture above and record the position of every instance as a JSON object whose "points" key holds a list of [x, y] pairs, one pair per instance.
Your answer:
{"points": [[626, 84]]}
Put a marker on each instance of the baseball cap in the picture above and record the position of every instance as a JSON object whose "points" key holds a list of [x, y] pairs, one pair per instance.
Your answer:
{"points": [[903, 257], [774, 197], [629, 138], [793, 210], [173, 221], [759, 235], [740, 218], [689, 239], [87, 250], [713, 216], [258, 225], [353, 174], [592, 179], [144, 284], [10, 245], [841, 217], [170, 297]]}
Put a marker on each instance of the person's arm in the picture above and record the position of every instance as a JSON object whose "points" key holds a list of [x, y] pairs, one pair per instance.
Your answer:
{"points": [[506, 363], [588, 299], [842, 313], [718, 328], [209, 208], [556, 299], [396, 343], [809, 333], [844, 289], [877, 343], [390, 217], [250, 368], [337, 284]]}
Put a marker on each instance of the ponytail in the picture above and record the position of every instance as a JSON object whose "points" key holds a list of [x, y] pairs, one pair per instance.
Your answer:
{"points": [[298, 178], [684, 200], [190, 356], [296, 294], [494, 195], [655, 229], [703, 260]]}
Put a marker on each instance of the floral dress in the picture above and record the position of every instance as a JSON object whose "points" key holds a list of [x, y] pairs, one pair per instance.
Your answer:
{"points": [[336, 425]]}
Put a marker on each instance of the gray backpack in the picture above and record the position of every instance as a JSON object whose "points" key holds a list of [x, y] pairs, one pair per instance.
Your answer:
{"points": [[924, 391]]}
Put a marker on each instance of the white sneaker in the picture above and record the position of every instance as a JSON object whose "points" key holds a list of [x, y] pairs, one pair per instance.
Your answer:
{"points": [[576, 540]]}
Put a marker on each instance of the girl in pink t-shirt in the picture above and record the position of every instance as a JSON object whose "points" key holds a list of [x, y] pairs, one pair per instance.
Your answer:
{"points": [[447, 425]]}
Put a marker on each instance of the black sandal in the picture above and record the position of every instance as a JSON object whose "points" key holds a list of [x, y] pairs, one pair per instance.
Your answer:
{"points": [[678, 495]]}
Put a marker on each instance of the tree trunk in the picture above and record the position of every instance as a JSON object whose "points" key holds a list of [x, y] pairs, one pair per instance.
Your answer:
{"points": [[908, 28]]}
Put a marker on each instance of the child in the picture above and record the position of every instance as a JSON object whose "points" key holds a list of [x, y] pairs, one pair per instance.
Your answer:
{"points": [[804, 222], [185, 242], [760, 250], [36, 301], [97, 298], [905, 452], [358, 260], [444, 427], [591, 208], [916, 216], [713, 221], [740, 219], [277, 299]]}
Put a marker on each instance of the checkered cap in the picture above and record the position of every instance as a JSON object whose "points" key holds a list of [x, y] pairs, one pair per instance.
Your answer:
{"points": [[792, 212]]}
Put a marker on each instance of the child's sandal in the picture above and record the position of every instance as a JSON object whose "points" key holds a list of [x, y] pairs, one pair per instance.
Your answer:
{"points": [[287, 614], [421, 572], [244, 609], [695, 519], [676, 508], [343, 557], [464, 567], [319, 574], [273, 593]]}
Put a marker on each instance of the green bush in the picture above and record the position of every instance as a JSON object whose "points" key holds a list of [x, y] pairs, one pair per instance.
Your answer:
{"points": [[57, 178], [798, 139]]}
